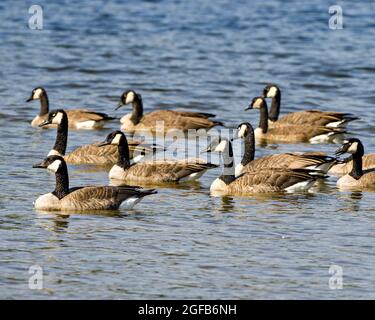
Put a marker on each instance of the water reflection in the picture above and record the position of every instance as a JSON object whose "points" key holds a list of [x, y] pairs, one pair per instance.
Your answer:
{"points": [[351, 201], [58, 223]]}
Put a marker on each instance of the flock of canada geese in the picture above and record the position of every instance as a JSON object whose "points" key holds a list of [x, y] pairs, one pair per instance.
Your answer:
{"points": [[285, 172]]}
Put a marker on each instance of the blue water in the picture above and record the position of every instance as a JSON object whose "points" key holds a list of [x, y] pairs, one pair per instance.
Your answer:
{"points": [[211, 56]]}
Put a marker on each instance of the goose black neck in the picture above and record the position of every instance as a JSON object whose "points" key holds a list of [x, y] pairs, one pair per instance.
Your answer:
{"points": [[44, 104], [123, 151], [263, 120], [229, 169], [275, 107], [249, 148], [62, 136], [62, 182], [357, 171], [137, 113]]}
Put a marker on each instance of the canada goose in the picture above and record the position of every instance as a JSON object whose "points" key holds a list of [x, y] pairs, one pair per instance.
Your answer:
{"points": [[266, 180], [78, 118], [152, 171], [183, 120], [292, 133], [306, 117], [84, 198], [307, 160], [357, 178], [90, 153], [346, 165]]}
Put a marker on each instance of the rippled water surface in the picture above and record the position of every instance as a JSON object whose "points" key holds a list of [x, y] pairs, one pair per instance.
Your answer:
{"points": [[212, 56]]}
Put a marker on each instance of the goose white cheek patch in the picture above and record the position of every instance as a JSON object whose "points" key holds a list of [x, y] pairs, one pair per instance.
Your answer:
{"points": [[57, 119], [257, 104], [37, 93], [129, 97], [241, 132], [116, 139], [221, 146], [272, 92], [353, 148], [54, 166]]}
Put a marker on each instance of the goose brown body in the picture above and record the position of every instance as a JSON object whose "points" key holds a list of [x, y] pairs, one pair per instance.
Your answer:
{"points": [[311, 117], [161, 120], [89, 153], [306, 117], [291, 133], [267, 180], [78, 118], [309, 160], [87, 197], [368, 162], [106, 155], [287, 160], [263, 181], [357, 178], [159, 171]]}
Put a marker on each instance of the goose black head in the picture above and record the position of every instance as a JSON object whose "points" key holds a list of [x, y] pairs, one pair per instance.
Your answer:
{"points": [[243, 130], [113, 138], [127, 97], [270, 91], [53, 163], [55, 117], [353, 146], [257, 103], [36, 94]]}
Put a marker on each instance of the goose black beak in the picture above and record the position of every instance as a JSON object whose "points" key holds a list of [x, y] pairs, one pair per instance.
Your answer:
{"points": [[120, 104], [249, 107], [30, 99], [343, 149], [44, 123], [207, 150], [104, 143], [40, 165]]}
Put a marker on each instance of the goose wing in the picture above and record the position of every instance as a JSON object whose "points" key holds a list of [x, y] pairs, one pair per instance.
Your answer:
{"points": [[108, 154], [289, 160], [315, 117], [174, 119], [102, 197], [81, 115], [300, 132], [195, 114], [271, 180], [93, 154], [166, 171]]}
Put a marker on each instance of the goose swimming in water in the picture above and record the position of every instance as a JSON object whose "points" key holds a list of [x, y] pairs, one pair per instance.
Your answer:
{"points": [[292, 133], [305, 117], [263, 181], [158, 171], [78, 118], [171, 119], [89, 153], [307, 160], [357, 178], [64, 198]]}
